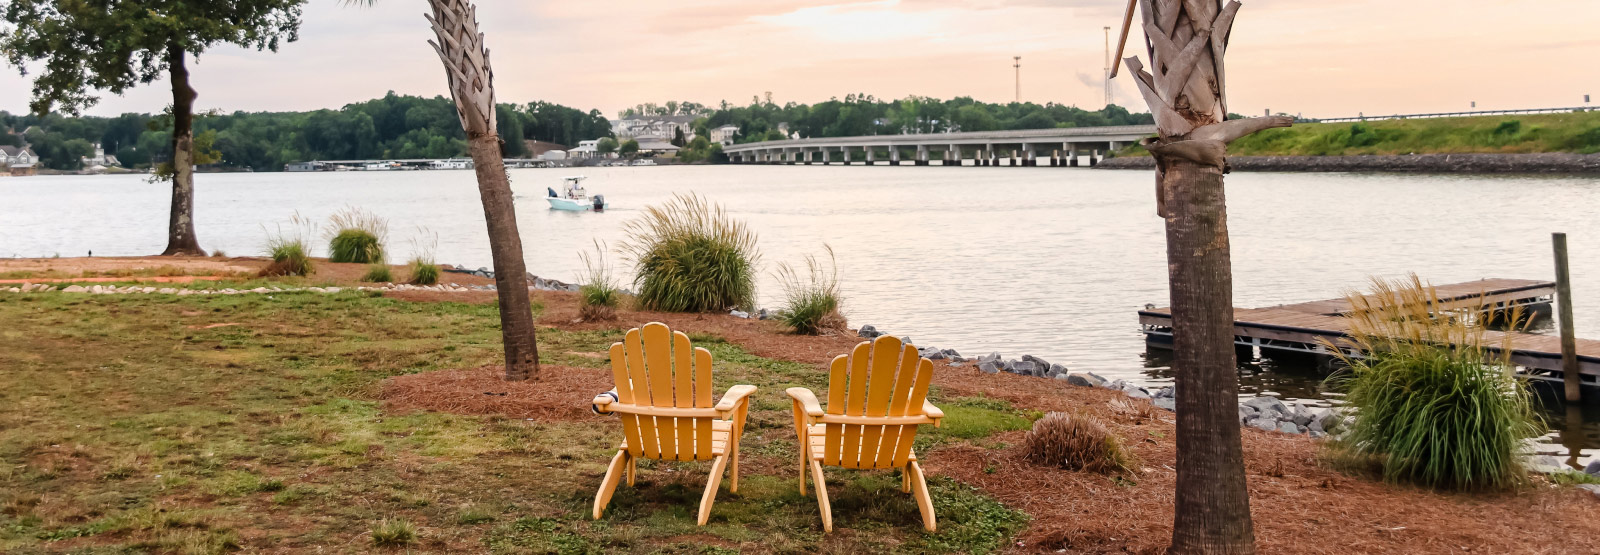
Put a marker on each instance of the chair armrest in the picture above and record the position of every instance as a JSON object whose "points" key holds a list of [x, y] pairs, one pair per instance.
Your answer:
{"points": [[733, 397], [602, 402], [807, 400], [932, 412]]}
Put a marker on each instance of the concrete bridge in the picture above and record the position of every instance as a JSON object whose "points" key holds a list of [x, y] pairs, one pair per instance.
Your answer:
{"points": [[1063, 146]]}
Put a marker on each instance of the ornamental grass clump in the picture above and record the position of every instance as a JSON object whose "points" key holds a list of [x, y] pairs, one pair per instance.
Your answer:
{"points": [[598, 296], [1076, 442], [1435, 405], [378, 273], [811, 301], [690, 256], [290, 250], [355, 235], [424, 270]]}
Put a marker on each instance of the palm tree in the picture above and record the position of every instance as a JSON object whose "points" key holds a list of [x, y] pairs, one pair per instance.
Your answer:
{"points": [[466, 69], [1186, 40]]}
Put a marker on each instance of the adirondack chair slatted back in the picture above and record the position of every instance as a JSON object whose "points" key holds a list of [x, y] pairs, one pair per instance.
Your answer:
{"points": [[879, 378], [657, 367]]}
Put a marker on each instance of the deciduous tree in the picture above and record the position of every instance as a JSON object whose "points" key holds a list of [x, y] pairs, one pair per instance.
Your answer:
{"points": [[113, 46]]}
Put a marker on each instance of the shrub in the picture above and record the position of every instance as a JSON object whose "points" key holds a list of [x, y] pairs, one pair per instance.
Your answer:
{"points": [[1075, 442], [393, 533], [291, 255], [424, 271], [689, 256], [378, 273], [357, 236], [1434, 406], [598, 297], [811, 303]]}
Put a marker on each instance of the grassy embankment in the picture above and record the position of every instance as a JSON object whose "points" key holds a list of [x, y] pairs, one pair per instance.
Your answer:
{"points": [[1577, 132], [199, 424]]}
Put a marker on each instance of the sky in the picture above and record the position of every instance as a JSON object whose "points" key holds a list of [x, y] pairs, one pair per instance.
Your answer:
{"points": [[1316, 58]]}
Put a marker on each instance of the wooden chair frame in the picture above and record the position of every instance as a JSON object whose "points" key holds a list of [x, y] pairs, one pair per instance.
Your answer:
{"points": [[877, 396], [664, 400]]}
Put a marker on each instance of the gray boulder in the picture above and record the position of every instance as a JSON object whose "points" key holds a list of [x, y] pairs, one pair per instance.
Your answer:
{"points": [[1317, 434], [1064, 376], [1166, 403], [1267, 404], [1056, 370], [1247, 413], [951, 353], [989, 367], [1165, 393], [1545, 464], [932, 353], [1135, 391], [1085, 379], [1303, 416], [1593, 469], [1288, 428], [868, 331], [1042, 363], [1117, 385], [1024, 367], [1264, 424], [991, 357]]}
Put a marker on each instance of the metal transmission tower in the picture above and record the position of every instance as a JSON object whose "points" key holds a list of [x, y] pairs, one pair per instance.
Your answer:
{"points": [[1016, 62], [1107, 74]]}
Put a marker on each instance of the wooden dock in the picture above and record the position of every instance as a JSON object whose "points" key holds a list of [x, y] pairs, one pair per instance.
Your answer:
{"points": [[1303, 327]]}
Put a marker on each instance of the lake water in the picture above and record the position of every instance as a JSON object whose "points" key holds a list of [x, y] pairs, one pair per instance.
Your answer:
{"points": [[1052, 262]]}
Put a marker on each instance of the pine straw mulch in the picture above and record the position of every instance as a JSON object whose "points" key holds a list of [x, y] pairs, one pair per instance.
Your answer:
{"points": [[1299, 505], [560, 394]]}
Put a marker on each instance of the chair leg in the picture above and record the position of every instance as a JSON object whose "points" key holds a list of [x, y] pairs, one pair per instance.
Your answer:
{"points": [[608, 486], [905, 481], [711, 488], [919, 486], [822, 496], [733, 483], [805, 459], [633, 470]]}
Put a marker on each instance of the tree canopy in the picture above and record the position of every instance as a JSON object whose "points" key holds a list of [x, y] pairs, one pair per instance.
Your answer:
{"points": [[861, 114], [395, 126], [112, 46]]}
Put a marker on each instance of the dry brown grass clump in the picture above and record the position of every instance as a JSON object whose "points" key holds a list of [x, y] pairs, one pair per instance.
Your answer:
{"points": [[1075, 442]]}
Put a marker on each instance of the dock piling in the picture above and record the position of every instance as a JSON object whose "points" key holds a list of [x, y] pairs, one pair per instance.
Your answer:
{"points": [[1569, 345]]}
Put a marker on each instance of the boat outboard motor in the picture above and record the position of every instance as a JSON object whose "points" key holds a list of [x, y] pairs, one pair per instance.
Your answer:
{"points": [[599, 202], [552, 192]]}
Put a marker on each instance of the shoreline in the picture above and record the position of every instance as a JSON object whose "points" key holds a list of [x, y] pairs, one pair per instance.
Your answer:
{"points": [[1519, 163]]}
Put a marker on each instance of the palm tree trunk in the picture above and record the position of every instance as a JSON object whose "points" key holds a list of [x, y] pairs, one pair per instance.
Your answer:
{"points": [[466, 64], [1186, 41], [181, 240]]}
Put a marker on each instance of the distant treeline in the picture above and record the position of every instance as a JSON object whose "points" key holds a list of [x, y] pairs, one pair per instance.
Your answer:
{"points": [[394, 126], [861, 114], [1576, 132]]}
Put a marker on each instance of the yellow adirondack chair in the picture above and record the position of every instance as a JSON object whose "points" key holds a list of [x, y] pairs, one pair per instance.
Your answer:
{"points": [[877, 395], [664, 400]]}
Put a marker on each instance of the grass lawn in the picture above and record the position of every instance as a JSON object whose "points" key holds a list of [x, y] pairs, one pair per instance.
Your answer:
{"points": [[201, 424], [1577, 132]]}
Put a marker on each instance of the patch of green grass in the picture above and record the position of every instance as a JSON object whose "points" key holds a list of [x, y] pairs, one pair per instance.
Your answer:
{"points": [[473, 515], [976, 418], [378, 273], [1573, 477], [394, 533], [1577, 132]]}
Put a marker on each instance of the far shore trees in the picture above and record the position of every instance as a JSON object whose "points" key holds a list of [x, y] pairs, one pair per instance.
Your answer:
{"points": [[606, 145], [113, 46], [629, 148], [1186, 41]]}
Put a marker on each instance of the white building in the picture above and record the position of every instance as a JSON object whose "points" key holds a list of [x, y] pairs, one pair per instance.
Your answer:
{"points": [[653, 127], [10, 155], [586, 149], [100, 159], [724, 134]]}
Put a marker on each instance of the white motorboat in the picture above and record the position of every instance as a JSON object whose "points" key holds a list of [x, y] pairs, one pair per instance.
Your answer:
{"points": [[574, 197]]}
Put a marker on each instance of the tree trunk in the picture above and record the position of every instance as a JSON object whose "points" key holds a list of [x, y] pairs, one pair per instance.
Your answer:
{"points": [[466, 64], [181, 240], [510, 273], [1186, 40], [1213, 503]]}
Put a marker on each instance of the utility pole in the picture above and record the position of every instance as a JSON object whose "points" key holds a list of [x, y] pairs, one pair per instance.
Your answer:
{"points": [[1016, 62], [1107, 73]]}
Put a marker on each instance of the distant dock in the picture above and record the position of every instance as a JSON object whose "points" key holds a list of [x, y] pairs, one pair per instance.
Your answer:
{"points": [[1303, 327]]}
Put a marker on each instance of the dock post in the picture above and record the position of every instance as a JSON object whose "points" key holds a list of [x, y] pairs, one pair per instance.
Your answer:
{"points": [[1569, 346]]}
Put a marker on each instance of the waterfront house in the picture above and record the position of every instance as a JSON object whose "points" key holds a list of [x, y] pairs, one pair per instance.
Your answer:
{"points": [[653, 127], [312, 166], [586, 149], [724, 135], [100, 159], [656, 147], [11, 155], [24, 169]]}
